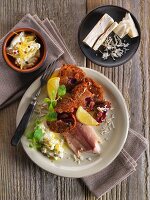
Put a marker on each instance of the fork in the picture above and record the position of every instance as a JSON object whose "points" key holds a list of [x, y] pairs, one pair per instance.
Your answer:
{"points": [[25, 119]]}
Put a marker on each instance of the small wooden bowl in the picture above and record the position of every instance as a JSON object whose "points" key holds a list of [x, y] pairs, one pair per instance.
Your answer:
{"points": [[11, 61]]}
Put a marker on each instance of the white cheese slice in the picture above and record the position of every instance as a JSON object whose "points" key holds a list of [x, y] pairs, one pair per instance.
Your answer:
{"points": [[126, 26], [132, 31], [101, 26], [103, 37], [122, 29]]}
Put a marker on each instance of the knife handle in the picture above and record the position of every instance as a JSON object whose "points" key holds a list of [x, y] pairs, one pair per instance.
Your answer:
{"points": [[23, 124]]}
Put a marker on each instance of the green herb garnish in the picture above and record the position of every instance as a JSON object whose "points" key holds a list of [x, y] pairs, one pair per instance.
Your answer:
{"points": [[30, 135], [61, 90], [47, 100], [34, 143], [38, 134], [35, 136], [52, 116]]}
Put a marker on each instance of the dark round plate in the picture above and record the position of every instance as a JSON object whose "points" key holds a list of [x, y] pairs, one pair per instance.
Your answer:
{"points": [[117, 13]]}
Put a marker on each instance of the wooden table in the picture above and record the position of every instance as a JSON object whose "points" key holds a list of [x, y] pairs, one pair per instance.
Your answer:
{"points": [[20, 178]]}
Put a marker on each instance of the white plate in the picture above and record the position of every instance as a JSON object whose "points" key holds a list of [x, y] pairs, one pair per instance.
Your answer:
{"points": [[110, 149]]}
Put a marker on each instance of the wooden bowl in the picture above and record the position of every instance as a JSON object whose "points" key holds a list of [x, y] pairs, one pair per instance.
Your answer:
{"points": [[11, 61]]}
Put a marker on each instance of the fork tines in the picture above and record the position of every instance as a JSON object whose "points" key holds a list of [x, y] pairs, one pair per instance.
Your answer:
{"points": [[48, 71]]}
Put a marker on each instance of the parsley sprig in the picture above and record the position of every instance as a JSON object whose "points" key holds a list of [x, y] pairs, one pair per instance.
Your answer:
{"points": [[52, 115], [35, 136]]}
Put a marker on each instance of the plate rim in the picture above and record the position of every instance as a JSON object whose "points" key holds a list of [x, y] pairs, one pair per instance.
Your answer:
{"points": [[107, 163], [131, 55]]}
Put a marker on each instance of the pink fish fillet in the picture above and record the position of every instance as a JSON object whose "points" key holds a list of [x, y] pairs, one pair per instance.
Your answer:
{"points": [[83, 138]]}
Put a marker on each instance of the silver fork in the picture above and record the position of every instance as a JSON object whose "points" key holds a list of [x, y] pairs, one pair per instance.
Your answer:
{"points": [[25, 119]]}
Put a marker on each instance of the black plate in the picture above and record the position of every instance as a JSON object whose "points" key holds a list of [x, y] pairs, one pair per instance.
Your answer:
{"points": [[117, 13]]}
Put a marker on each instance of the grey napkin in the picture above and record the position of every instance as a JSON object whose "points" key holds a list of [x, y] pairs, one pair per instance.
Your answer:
{"points": [[125, 164]]}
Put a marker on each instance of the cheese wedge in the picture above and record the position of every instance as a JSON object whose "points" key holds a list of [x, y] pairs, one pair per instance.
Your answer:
{"points": [[126, 26], [132, 30], [122, 29], [103, 37], [101, 26]]}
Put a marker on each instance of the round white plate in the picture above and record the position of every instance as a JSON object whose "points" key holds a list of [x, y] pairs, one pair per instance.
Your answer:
{"points": [[110, 148]]}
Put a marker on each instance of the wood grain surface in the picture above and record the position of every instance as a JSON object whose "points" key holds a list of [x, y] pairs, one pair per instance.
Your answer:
{"points": [[20, 178]]}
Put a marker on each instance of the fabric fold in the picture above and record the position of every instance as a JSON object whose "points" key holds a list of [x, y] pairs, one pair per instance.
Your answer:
{"points": [[66, 57], [123, 166], [112, 175]]}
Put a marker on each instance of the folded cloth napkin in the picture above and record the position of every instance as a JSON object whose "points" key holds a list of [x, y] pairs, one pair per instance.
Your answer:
{"points": [[135, 145], [120, 168]]}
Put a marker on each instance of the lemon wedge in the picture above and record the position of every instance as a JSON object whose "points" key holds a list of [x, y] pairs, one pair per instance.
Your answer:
{"points": [[55, 73], [52, 87], [85, 118]]}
